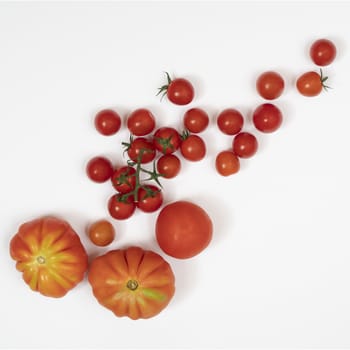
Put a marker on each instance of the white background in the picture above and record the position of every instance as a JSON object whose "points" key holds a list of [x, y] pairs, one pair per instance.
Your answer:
{"points": [[277, 273]]}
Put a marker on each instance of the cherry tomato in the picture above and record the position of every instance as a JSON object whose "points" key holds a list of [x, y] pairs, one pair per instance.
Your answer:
{"points": [[311, 83], [141, 122], [166, 140], [323, 52], [179, 91], [107, 122], [121, 208], [270, 85], [244, 145], [230, 121], [101, 233], [267, 118], [196, 120], [150, 198], [227, 163], [183, 229], [168, 165], [99, 169], [124, 179], [144, 146], [193, 148]]}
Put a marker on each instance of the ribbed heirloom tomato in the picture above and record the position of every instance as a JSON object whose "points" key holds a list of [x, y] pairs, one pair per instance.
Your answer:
{"points": [[50, 255], [132, 282]]}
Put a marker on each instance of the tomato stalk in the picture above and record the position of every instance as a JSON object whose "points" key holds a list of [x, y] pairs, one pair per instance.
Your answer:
{"points": [[323, 80], [163, 89]]}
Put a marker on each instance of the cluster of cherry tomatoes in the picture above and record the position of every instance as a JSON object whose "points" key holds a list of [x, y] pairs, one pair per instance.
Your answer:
{"points": [[139, 187]]}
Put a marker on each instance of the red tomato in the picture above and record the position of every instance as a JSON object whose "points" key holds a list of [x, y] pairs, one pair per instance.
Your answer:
{"points": [[179, 91], [267, 118], [124, 179], [323, 52], [196, 120], [311, 83], [270, 85], [227, 163], [121, 209], [230, 121], [168, 165], [99, 169], [183, 229], [107, 122], [141, 122], [166, 140], [144, 146], [244, 145], [101, 233], [150, 198], [193, 148]]}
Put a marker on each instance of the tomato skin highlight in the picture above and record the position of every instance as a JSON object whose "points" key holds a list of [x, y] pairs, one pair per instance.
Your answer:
{"points": [[149, 203], [310, 84], [244, 145], [180, 91], [132, 282], [50, 255], [230, 121], [270, 85], [99, 169], [267, 118], [107, 122], [227, 163], [183, 229], [101, 233], [169, 165], [121, 210], [323, 52], [141, 122], [196, 120], [193, 148], [142, 144]]}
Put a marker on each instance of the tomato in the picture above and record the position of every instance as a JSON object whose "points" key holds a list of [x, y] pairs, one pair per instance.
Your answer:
{"points": [[141, 122], [124, 179], [183, 229], [166, 140], [323, 52], [267, 118], [270, 85], [179, 91], [150, 198], [132, 282], [227, 163], [141, 147], [121, 208], [50, 255], [196, 120], [99, 169], [311, 83], [168, 165], [230, 121], [101, 233], [244, 145], [107, 122], [193, 148]]}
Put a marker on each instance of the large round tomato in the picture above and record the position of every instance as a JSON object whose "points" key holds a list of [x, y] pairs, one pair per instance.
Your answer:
{"points": [[50, 255], [132, 282], [183, 229]]}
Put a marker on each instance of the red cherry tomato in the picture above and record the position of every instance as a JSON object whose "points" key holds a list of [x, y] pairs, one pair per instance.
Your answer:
{"points": [[179, 91], [150, 198], [107, 122], [193, 148], [230, 121], [196, 120], [141, 122], [168, 165], [311, 83], [227, 163], [121, 208], [166, 140], [144, 146], [244, 145], [99, 169], [323, 52], [267, 118], [270, 85], [101, 233], [124, 179]]}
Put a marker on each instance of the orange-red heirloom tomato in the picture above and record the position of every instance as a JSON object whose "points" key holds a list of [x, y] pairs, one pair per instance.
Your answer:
{"points": [[50, 255], [132, 282]]}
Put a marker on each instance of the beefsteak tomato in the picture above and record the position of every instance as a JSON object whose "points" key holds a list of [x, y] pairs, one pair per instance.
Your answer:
{"points": [[132, 282], [50, 255]]}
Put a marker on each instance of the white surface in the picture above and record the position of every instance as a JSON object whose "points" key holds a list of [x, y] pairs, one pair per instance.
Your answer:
{"points": [[277, 271]]}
